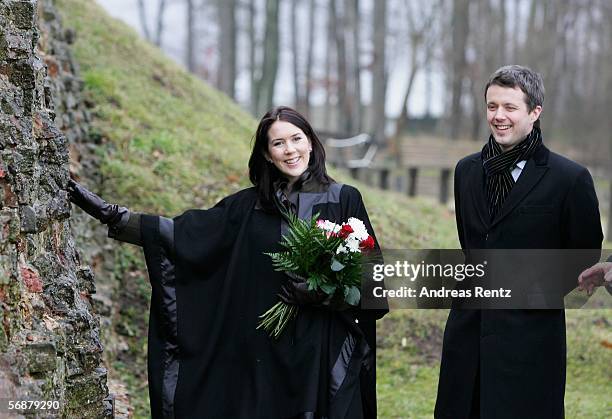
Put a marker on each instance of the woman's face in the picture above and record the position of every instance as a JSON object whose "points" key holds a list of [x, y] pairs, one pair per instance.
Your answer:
{"points": [[288, 149]]}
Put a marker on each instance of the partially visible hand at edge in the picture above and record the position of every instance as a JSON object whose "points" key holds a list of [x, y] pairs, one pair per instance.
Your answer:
{"points": [[595, 276]]}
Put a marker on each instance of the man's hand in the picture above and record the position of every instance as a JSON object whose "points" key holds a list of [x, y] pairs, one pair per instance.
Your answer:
{"points": [[595, 276]]}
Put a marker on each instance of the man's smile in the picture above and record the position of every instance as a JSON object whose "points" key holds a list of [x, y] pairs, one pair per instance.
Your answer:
{"points": [[502, 127]]}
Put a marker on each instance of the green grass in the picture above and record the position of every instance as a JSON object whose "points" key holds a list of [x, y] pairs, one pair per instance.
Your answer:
{"points": [[589, 358], [409, 343], [170, 142]]}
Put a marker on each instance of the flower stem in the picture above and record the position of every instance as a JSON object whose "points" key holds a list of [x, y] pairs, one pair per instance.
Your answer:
{"points": [[276, 318]]}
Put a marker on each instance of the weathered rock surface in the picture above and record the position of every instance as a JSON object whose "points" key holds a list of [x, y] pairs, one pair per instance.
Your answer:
{"points": [[50, 346]]}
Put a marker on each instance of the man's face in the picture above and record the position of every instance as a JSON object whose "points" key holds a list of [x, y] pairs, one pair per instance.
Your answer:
{"points": [[509, 119]]}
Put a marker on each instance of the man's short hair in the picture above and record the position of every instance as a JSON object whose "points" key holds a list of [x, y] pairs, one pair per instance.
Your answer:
{"points": [[524, 78]]}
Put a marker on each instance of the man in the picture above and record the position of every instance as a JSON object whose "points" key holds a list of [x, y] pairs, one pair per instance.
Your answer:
{"points": [[515, 194]]}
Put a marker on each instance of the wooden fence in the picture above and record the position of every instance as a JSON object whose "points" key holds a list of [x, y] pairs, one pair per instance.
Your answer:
{"points": [[425, 166]]}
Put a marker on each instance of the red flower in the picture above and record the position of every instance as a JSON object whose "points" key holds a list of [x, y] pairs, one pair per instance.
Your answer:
{"points": [[345, 231], [367, 243]]}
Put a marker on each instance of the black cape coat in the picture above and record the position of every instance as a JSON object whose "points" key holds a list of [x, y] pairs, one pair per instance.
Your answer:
{"points": [[511, 363], [210, 283]]}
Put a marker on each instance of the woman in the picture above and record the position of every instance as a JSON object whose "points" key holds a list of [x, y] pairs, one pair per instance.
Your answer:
{"points": [[211, 281]]}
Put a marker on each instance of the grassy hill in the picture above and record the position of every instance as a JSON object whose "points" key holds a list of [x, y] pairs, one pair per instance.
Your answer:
{"points": [[171, 142]]}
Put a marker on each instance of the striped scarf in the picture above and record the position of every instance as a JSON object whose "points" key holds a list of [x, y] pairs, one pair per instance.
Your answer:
{"points": [[498, 166]]}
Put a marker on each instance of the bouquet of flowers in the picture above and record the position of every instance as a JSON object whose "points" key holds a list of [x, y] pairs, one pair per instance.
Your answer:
{"points": [[327, 255]]}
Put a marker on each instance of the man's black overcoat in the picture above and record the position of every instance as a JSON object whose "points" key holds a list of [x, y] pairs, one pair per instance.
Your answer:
{"points": [[511, 363], [211, 281]]}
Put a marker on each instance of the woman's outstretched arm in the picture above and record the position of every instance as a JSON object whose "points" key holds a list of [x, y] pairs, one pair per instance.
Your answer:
{"points": [[123, 225]]}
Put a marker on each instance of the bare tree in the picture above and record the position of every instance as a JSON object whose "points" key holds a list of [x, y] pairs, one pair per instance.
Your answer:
{"points": [[226, 75], [190, 41], [298, 92], [266, 78], [551, 45], [531, 25], [379, 74], [460, 30], [421, 32], [484, 60], [142, 13], [501, 17], [354, 98], [159, 26], [161, 7], [252, 46], [309, 55], [343, 123], [330, 85], [302, 71], [516, 31]]}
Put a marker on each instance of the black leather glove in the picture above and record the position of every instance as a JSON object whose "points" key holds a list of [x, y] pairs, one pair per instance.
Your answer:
{"points": [[95, 206], [296, 292]]}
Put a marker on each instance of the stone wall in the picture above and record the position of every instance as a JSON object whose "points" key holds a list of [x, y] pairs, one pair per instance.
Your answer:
{"points": [[49, 336], [73, 118]]}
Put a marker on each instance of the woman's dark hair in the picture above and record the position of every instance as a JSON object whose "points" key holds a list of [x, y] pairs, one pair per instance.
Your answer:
{"points": [[263, 174]]}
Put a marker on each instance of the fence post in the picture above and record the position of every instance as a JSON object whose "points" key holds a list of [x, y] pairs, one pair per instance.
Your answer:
{"points": [[413, 174], [384, 179], [444, 182]]}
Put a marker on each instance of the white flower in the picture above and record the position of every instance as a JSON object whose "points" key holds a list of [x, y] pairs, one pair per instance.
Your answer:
{"points": [[360, 232], [352, 244], [341, 249], [328, 226]]}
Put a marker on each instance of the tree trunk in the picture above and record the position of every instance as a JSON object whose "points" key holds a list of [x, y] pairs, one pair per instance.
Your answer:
{"points": [[295, 52], [267, 78], [190, 41], [531, 30], [329, 57], [252, 55], [486, 61], [478, 114], [516, 32], [428, 91], [142, 13], [402, 120], [503, 50], [550, 50], [489, 50], [352, 10], [226, 75], [377, 110], [159, 29], [460, 29], [309, 56], [343, 107]]}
